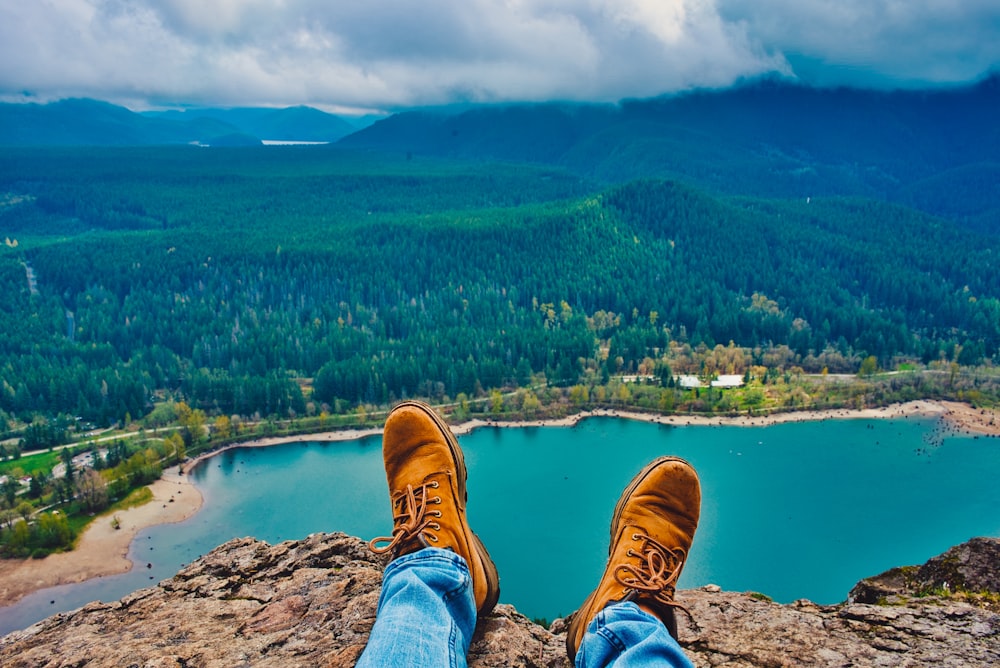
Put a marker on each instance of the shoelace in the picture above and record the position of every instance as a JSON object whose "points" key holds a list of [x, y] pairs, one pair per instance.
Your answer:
{"points": [[656, 571], [411, 518]]}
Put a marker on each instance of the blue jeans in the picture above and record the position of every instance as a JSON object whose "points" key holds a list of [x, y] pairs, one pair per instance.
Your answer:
{"points": [[427, 614]]}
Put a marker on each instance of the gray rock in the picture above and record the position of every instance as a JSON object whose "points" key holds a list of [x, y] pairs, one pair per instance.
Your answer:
{"points": [[312, 603], [970, 570]]}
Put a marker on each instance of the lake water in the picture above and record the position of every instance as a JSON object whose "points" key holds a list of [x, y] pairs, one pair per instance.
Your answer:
{"points": [[801, 510]]}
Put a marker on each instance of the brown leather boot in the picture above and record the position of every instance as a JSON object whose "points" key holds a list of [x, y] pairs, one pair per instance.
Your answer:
{"points": [[426, 473], [651, 533]]}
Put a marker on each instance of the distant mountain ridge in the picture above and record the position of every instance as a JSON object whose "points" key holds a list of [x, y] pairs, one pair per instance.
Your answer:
{"points": [[291, 124], [767, 112], [85, 122], [935, 150], [770, 138], [82, 122]]}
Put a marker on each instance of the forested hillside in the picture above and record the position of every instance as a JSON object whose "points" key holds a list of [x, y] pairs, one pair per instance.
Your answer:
{"points": [[284, 280], [938, 151]]}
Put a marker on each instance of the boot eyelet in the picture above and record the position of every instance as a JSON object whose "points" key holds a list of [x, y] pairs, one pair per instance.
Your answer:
{"points": [[435, 526], [437, 513], [437, 499], [431, 537], [635, 536], [435, 484]]}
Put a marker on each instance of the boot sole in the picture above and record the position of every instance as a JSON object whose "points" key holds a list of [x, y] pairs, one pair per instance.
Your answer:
{"points": [[490, 569]]}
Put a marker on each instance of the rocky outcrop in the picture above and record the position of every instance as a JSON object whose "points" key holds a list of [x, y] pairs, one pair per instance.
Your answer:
{"points": [[970, 571], [312, 603]]}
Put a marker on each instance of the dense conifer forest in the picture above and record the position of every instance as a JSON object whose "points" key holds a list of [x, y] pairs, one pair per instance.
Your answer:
{"points": [[290, 281]]}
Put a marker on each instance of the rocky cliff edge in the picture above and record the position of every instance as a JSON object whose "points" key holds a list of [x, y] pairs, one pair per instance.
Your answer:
{"points": [[312, 603]]}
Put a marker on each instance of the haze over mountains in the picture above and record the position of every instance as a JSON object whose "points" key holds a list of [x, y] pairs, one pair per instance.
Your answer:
{"points": [[83, 122], [291, 124], [938, 151]]}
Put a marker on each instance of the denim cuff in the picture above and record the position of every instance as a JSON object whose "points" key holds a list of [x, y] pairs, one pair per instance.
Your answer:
{"points": [[428, 556]]}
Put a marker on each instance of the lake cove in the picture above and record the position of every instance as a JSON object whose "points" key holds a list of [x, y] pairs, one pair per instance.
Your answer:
{"points": [[796, 510]]}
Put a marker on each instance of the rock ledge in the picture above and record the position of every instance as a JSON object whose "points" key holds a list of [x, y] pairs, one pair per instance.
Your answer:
{"points": [[312, 603]]}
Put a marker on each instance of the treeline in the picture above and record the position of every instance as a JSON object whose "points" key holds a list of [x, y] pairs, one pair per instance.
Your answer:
{"points": [[292, 282]]}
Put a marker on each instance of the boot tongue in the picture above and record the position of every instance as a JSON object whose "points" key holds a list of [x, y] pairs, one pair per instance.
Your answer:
{"points": [[649, 568], [411, 518], [650, 577]]}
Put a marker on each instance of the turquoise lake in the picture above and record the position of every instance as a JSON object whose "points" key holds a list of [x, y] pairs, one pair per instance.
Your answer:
{"points": [[799, 510]]}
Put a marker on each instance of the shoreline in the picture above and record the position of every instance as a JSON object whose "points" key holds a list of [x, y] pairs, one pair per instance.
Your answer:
{"points": [[337, 436], [103, 551], [963, 418]]}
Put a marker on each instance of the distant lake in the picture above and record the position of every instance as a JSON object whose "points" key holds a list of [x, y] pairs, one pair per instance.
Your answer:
{"points": [[290, 142], [797, 510]]}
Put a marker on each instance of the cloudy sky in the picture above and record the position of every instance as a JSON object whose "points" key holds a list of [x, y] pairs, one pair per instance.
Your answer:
{"points": [[390, 54]]}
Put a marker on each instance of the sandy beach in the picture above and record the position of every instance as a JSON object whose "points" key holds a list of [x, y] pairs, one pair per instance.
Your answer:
{"points": [[969, 420], [962, 418], [102, 549]]}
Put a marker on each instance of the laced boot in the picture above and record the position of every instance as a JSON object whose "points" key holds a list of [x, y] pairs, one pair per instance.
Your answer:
{"points": [[426, 473], [651, 533]]}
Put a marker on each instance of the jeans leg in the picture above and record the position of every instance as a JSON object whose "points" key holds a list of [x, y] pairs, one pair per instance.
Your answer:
{"points": [[623, 636], [426, 612]]}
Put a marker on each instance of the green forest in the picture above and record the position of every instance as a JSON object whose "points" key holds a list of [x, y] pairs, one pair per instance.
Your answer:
{"points": [[161, 301], [294, 281]]}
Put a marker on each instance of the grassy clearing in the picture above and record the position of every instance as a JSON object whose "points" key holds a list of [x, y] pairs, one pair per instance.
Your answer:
{"points": [[29, 464]]}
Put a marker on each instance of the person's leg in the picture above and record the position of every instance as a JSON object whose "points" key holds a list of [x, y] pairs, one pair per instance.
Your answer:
{"points": [[426, 612], [629, 619], [441, 578], [623, 636]]}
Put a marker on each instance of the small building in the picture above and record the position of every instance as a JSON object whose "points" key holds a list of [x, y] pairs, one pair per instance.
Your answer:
{"points": [[728, 380], [689, 382], [638, 379]]}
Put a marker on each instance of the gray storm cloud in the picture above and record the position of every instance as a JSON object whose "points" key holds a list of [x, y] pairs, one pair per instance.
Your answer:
{"points": [[394, 53], [901, 42]]}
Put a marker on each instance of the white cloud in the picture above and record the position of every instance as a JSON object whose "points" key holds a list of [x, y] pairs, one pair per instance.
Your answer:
{"points": [[392, 53], [664, 20], [898, 41]]}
